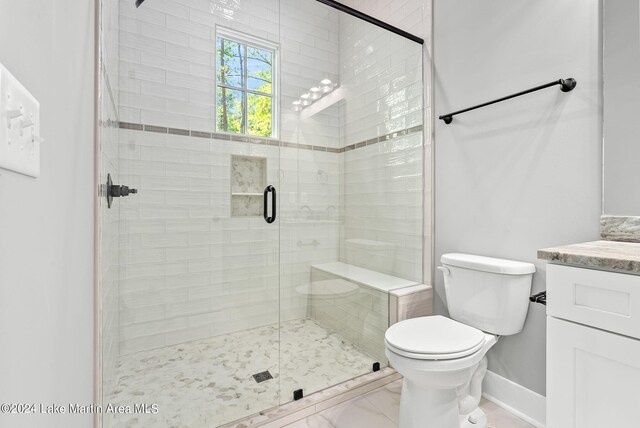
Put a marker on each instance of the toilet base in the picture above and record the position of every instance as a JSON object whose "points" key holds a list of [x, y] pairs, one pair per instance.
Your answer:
{"points": [[425, 407], [442, 394], [434, 402], [478, 416]]}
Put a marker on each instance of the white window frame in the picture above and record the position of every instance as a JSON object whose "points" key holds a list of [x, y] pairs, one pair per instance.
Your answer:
{"points": [[250, 41]]}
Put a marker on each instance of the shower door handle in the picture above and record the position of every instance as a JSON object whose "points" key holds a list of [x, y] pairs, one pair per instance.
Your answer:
{"points": [[272, 218]]}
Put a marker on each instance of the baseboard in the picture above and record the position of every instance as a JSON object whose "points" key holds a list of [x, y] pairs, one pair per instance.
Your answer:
{"points": [[522, 402]]}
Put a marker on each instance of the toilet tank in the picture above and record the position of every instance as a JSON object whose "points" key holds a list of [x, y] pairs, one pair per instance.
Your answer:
{"points": [[370, 254], [489, 294]]}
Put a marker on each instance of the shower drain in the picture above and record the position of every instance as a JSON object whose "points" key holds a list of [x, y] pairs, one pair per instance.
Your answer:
{"points": [[262, 376]]}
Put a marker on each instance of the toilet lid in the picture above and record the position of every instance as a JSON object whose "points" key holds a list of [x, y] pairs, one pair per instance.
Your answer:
{"points": [[434, 336]]}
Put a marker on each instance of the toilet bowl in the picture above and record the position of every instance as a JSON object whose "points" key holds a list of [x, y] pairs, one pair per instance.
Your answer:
{"points": [[439, 365], [443, 360]]}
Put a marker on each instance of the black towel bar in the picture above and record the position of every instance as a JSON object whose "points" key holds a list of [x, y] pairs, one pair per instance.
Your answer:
{"points": [[566, 86]]}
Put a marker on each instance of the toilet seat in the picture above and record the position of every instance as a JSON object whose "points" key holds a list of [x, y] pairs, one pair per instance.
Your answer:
{"points": [[434, 338]]}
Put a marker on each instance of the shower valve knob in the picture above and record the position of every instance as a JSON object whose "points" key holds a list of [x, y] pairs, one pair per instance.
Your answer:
{"points": [[117, 191]]}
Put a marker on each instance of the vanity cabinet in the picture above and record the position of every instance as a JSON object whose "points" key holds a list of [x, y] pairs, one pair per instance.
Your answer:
{"points": [[593, 348]]}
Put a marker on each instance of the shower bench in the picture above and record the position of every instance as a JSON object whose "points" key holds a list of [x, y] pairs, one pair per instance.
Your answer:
{"points": [[360, 304]]}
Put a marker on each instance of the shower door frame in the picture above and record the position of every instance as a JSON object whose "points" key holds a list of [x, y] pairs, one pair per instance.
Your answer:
{"points": [[97, 217]]}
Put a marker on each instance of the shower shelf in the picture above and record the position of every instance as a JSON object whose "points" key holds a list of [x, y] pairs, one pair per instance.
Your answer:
{"points": [[248, 180]]}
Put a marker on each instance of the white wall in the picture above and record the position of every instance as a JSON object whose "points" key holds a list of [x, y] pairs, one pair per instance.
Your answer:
{"points": [[46, 224], [524, 174]]}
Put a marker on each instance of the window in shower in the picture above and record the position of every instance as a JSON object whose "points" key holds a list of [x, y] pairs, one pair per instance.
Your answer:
{"points": [[245, 85]]}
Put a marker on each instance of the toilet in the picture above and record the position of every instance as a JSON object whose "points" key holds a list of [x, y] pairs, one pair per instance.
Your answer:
{"points": [[443, 360]]}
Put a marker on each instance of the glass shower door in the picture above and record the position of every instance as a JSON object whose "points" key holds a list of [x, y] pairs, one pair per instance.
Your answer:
{"points": [[191, 305], [352, 161], [319, 313], [309, 351], [199, 277]]}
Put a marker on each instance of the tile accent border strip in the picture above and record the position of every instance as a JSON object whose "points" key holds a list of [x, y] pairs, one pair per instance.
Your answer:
{"points": [[620, 228], [268, 141]]}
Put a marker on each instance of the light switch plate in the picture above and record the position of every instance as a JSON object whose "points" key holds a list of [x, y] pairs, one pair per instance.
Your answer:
{"points": [[19, 127]]}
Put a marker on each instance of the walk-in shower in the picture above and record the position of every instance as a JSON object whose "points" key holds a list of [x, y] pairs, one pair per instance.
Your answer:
{"points": [[276, 147]]}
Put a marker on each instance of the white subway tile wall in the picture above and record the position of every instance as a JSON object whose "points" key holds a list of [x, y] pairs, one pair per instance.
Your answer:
{"points": [[188, 269], [310, 223], [413, 16], [383, 75], [383, 188], [383, 183], [168, 57]]}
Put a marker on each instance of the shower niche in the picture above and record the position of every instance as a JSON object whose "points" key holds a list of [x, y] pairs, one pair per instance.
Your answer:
{"points": [[248, 181]]}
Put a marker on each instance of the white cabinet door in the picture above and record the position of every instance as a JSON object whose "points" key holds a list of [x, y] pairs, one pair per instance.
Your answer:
{"points": [[593, 377]]}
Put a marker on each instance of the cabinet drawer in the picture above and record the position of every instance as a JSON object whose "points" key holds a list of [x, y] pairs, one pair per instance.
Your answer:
{"points": [[606, 300]]}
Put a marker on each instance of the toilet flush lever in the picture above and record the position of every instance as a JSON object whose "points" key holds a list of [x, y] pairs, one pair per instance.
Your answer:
{"points": [[445, 270], [539, 298]]}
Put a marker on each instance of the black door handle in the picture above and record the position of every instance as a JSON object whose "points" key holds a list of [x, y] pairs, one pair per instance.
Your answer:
{"points": [[272, 218]]}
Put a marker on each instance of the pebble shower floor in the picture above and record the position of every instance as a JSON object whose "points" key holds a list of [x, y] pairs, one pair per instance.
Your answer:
{"points": [[207, 383]]}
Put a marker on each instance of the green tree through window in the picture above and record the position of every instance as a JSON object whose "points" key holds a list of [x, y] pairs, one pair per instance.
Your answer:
{"points": [[244, 80]]}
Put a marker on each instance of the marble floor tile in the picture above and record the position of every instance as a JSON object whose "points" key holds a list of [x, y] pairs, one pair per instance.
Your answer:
{"points": [[315, 421], [356, 412], [380, 409], [387, 400], [208, 383], [500, 418]]}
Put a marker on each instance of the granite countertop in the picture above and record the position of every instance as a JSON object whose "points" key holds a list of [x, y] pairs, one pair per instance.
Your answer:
{"points": [[607, 255]]}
